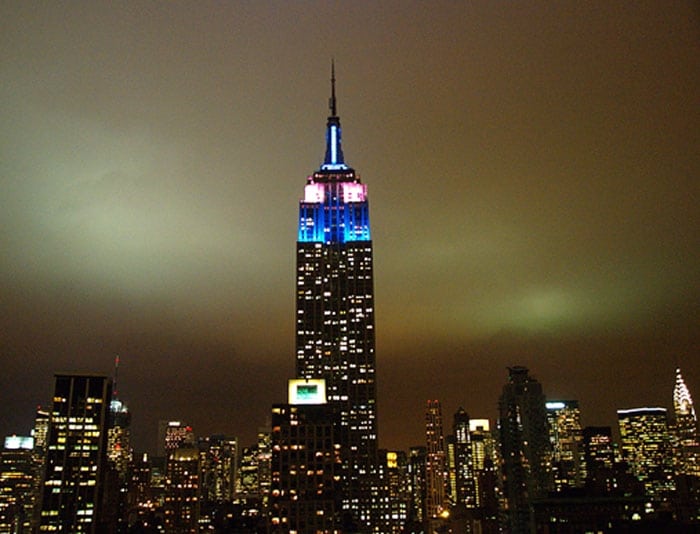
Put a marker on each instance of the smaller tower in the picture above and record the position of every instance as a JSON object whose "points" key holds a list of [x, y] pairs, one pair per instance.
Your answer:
{"points": [[686, 430], [435, 467]]}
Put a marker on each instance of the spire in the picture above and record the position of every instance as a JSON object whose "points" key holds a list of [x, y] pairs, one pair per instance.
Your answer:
{"points": [[682, 401], [332, 103], [334, 160], [115, 393]]}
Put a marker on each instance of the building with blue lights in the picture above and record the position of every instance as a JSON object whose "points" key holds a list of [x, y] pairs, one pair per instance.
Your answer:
{"points": [[335, 312]]}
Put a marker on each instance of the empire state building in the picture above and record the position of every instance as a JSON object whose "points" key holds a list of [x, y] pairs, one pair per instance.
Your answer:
{"points": [[335, 338]]}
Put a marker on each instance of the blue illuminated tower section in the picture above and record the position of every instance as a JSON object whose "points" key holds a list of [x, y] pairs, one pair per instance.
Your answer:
{"points": [[335, 311]]}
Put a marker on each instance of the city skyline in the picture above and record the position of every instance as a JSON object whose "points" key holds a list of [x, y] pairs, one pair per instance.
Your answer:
{"points": [[534, 201]]}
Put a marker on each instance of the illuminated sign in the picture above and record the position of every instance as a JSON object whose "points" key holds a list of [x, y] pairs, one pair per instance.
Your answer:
{"points": [[19, 442], [558, 405], [479, 424], [307, 391]]}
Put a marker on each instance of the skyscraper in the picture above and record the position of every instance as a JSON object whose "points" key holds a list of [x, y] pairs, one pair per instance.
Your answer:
{"points": [[686, 429], [18, 472], [484, 464], [417, 485], [566, 437], [393, 466], [73, 489], [218, 458], [435, 466], [646, 446], [306, 463], [464, 467], [525, 447], [181, 498], [335, 310], [119, 449]]}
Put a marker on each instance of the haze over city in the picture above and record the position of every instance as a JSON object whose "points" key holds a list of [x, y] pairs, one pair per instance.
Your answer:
{"points": [[533, 175]]}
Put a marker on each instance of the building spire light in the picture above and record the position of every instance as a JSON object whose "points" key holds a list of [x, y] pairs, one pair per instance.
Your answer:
{"points": [[334, 160], [332, 103]]}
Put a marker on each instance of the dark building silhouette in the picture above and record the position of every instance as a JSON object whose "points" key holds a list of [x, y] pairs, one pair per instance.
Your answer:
{"points": [[525, 447]]}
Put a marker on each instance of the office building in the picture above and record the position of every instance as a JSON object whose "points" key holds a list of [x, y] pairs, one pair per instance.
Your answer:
{"points": [[417, 485], [647, 448], [436, 502], [182, 491], [566, 438], [335, 338], [307, 468], [464, 493], [395, 496], [218, 458], [485, 465], [18, 473], [687, 440], [173, 435], [599, 458], [119, 451], [525, 447], [73, 490]]}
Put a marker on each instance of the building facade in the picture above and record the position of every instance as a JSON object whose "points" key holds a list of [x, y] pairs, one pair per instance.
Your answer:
{"points": [[436, 502], [73, 490], [335, 338], [647, 448], [18, 473], [566, 438], [182, 491], [525, 447], [307, 468], [687, 441]]}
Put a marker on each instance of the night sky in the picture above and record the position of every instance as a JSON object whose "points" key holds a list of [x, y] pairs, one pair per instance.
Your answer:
{"points": [[533, 172]]}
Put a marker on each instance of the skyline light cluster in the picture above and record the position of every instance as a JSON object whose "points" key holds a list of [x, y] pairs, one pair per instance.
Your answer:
{"points": [[532, 170]]}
